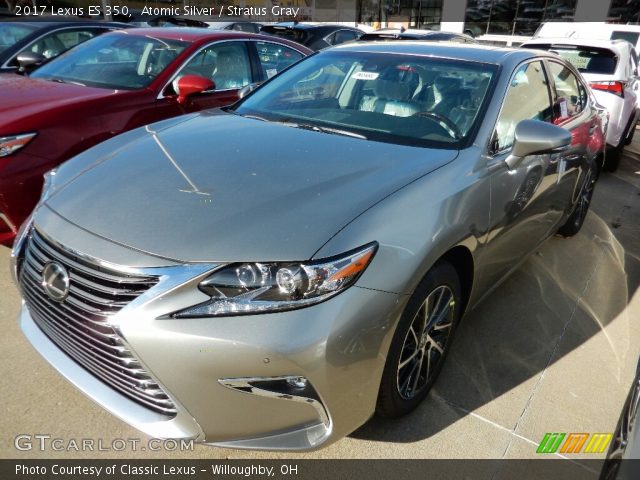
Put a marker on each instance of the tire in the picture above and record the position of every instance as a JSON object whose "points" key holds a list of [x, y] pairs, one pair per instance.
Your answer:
{"points": [[612, 158], [630, 133], [438, 300], [576, 219], [614, 154]]}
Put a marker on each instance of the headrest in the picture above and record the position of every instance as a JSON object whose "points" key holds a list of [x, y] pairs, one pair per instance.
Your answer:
{"points": [[390, 90], [448, 83]]}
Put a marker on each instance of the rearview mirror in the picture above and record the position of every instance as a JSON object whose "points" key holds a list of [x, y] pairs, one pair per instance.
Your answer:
{"points": [[188, 85], [533, 137], [30, 60]]}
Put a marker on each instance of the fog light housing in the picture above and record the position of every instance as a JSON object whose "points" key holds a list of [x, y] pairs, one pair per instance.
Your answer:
{"points": [[297, 382]]}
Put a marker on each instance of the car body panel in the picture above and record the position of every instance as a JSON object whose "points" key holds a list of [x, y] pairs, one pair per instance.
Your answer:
{"points": [[293, 201]]}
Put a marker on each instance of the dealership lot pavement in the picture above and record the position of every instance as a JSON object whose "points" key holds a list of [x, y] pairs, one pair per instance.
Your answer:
{"points": [[554, 349]]}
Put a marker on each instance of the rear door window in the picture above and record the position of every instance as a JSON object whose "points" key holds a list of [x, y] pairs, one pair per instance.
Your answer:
{"points": [[571, 97], [342, 36], [274, 57]]}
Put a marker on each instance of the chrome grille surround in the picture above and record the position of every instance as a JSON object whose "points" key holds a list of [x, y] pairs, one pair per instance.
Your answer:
{"points": [[80, 325]]}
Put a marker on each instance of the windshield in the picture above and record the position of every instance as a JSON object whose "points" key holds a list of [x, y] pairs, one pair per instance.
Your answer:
{"points": [[113, 61], [12, 34], [405, 99]]}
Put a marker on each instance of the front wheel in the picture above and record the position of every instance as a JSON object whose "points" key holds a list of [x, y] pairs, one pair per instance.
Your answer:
{"points": [[421, 342], [576, 219]]}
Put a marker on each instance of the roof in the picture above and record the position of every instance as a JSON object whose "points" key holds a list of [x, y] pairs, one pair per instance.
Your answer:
{"points": [[456, 51], [51, 22], [312, 26], [188, 34]]}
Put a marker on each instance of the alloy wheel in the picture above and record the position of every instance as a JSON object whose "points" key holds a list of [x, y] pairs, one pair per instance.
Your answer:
{"points": [[425, 343], [585, 198]]}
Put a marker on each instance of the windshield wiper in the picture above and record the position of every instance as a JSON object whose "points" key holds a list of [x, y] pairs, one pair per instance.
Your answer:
{"points": [[317, 128], [61, 80]]}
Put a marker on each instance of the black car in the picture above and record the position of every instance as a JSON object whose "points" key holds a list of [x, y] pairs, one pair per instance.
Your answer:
{"points": [[315, 37], [428, 35], [45, 39]]}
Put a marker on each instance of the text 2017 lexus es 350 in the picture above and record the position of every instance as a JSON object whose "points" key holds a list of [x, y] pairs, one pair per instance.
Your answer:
{"points": [[271, 275]]}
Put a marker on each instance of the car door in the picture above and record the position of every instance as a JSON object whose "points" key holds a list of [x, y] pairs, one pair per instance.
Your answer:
{"points": [[524, 209], [571, 110], [226, 63]]}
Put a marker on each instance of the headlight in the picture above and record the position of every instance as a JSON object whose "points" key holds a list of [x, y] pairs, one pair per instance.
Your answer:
{"points": [[13, 143], [247, 288]]}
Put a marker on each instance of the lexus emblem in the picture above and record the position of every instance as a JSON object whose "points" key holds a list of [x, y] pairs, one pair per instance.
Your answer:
{"points": [[55, 281]]}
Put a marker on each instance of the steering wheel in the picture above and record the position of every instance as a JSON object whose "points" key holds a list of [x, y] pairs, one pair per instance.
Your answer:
{"points": [[446, 123]]}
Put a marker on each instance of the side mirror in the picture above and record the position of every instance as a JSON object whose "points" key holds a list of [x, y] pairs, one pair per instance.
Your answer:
{"points": [[533, 137], [30, 60], [188, 85], [247, 89]]}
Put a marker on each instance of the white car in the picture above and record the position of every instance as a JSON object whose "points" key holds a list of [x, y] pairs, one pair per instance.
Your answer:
{"points": [[611, 69]]}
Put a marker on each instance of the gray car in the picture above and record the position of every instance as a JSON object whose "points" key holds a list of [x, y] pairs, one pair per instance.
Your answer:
{"points": [[271, 275]]}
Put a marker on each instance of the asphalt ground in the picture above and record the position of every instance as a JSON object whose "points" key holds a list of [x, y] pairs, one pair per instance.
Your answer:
{"points": [[554, 349]]}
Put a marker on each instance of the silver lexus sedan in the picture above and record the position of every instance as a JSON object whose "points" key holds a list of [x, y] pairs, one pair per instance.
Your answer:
{"points": [[272, 274]]}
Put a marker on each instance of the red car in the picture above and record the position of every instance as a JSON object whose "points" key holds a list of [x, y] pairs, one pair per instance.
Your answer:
{"points": [[114, 83]]}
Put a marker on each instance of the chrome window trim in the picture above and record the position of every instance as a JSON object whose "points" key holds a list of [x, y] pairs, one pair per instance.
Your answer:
{"points": [[108, 29], [244, 40]]}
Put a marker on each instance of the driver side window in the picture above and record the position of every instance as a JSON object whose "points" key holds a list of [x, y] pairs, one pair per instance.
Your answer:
{"points": [[527, 99], [227, 64]]}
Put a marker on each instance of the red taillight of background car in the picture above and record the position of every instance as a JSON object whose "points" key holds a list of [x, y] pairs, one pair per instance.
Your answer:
{"points": [[616, 88]]}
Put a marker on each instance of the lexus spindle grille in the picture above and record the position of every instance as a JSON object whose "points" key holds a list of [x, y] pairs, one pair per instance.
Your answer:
{"points": [[79, 324]]}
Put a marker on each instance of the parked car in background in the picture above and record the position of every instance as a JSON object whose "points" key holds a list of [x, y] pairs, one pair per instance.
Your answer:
{"points": [[113, 83], [309, 251], [414, 34], [314, 36], [591, 31], [611, 68], [44, 40], [239, 25]]}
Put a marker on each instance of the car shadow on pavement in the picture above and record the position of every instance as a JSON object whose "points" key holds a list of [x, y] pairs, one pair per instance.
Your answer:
{"points": [[568, 293]]}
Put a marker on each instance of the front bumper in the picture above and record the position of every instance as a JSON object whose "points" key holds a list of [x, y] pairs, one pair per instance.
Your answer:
{"points": [[339, 346]]}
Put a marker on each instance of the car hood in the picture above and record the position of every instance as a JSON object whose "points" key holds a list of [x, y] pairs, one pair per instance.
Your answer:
{"points": [[214, 186], [22, 97]]}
